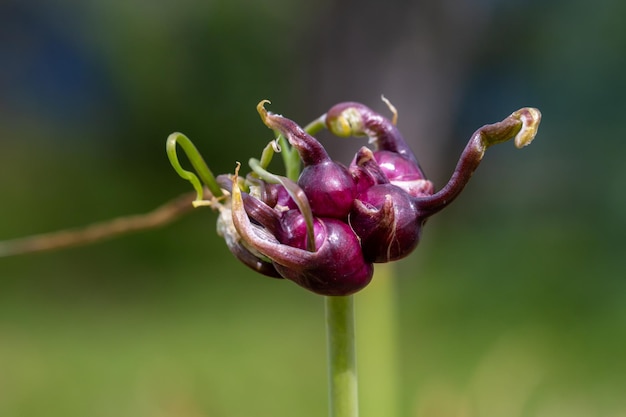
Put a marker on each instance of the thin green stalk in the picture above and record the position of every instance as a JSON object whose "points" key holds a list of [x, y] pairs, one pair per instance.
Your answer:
{"points": [[316, 125], [342, 373], [377, 345], [343, 392], [291, 159]]}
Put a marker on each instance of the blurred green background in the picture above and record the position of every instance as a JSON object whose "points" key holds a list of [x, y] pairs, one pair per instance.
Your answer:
{"points": [[513, 305]]}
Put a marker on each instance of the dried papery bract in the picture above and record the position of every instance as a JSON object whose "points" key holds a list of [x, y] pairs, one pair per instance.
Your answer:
{"points": [[249, 257]]}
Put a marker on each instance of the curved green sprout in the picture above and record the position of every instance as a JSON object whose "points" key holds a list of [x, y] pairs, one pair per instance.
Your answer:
{"points": [[196, 161]]}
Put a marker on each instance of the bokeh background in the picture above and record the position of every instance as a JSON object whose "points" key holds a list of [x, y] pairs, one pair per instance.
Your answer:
{"points": [[513, 305]]}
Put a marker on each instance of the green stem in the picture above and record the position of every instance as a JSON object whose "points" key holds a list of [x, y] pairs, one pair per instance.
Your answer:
{"points": [[343, 393], [316, 125], [291, 159], [377, 344]]}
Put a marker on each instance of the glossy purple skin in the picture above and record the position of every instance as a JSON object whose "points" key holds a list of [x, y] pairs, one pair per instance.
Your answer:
{"points": [[293, 230], [330, 189], [383, 167], [339, 268], [276, 195], [366, 171], [253, 262], [395, 158], [387, 221], [328, 185], [396, 166], [336, 267], [379, 206]]}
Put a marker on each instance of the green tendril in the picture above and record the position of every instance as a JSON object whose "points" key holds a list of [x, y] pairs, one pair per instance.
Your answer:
{"points": [[196, 161]]}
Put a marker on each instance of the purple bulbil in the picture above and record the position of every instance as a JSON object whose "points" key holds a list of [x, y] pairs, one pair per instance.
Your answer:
{"points": [[328, 184], [326, 231], [334, 266]]}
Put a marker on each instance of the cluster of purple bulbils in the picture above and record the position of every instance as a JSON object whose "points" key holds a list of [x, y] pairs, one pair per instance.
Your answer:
{"points": [[326, 231]]}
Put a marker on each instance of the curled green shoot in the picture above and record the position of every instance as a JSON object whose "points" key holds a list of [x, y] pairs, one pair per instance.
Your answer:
{"points": [[196, 161], [268, 153]]}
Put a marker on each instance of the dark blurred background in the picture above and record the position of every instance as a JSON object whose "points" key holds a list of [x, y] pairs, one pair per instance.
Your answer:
{"points": [[513, 305]]}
